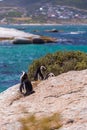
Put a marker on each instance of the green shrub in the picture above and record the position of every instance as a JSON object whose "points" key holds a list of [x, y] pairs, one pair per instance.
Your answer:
{"points": [[60, 62], [81, 65], [45, 123], [14, 14]]}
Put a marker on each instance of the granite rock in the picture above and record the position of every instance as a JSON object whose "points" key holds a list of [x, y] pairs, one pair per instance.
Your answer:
{"points": [[65, 94]]}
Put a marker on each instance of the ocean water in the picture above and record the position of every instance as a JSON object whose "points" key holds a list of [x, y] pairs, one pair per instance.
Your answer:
{"points": [[16, 58]]}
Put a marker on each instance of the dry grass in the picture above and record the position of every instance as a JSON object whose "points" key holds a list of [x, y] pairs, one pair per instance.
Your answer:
{"points": [[22, 18], [46, 123]]}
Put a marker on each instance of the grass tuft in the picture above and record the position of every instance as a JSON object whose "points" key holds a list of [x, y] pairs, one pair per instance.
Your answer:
{"points": [[46, 123]]}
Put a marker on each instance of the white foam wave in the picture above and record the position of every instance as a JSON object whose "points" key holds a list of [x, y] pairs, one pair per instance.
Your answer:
{"points": [[65, 40], [78, 32]]}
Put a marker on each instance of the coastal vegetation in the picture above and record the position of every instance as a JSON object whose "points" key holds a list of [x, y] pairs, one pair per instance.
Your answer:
{"points": [[45, 123], [60, 62], [35, 3]]}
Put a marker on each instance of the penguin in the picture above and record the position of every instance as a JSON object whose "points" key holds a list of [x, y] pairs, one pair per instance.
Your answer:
{"points": [[39, 73], [25, 84], [49, 75]]}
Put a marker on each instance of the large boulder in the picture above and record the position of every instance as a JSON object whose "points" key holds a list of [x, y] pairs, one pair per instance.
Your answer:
{"points": [[20, 37], [65, 94], [52, 30], [21, 41], [14, 33], [38, 41]]}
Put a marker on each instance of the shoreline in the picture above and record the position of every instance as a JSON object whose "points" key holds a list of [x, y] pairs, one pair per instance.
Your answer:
{"points": [[46, 24]]}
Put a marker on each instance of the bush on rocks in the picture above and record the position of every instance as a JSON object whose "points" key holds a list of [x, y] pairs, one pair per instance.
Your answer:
{"points": [[60, 62]]}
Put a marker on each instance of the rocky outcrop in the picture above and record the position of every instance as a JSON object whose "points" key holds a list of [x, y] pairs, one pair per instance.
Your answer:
{"points": [[38, 41], [21, 41], [20, 37], [53, 30], [65, 94]]}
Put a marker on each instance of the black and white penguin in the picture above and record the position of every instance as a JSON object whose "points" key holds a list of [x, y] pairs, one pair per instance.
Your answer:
{"points": [[25, 85], [49, 75], [39, 73]]}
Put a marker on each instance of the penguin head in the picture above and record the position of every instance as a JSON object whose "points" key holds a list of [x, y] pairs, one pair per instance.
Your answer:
{"points": [[51, 75], [24, 76], [42, 68], [23, 73]]}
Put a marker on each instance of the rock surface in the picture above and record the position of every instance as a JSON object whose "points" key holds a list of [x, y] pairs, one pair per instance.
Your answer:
{"points": [[14, 33], [20, 37], [66, 94]]}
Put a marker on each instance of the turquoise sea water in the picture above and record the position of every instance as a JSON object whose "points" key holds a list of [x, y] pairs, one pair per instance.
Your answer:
{"points": [[16, 58]]}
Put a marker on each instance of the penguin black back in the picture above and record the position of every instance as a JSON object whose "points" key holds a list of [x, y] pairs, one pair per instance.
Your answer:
{"points": [[38, 74], [25, 84]]}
